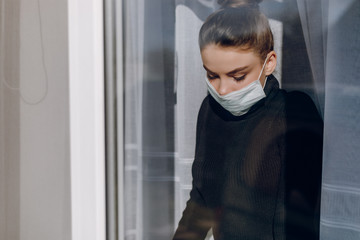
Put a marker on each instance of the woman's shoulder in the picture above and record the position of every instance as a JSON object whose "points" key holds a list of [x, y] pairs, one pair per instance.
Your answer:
{"points": [[205, 104], [300, 104], [298, 98], [302, 114], [204, 108]]}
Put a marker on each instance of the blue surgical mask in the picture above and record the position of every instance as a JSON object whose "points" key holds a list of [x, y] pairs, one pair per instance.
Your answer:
{"points": [[239, 102]]}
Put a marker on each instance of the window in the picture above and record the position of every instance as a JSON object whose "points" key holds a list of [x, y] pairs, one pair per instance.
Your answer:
{"points": [[159, 90]]}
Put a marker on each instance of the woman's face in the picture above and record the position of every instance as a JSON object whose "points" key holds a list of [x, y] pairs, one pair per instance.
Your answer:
{"points": [[230, 69]]}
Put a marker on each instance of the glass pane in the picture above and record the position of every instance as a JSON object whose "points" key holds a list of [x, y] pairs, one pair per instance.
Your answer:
{"points": [[163, 90], [149, 119]]}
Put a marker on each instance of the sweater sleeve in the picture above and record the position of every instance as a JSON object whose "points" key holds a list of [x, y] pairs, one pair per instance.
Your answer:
{"points": [[197, 217], [304, 141]]}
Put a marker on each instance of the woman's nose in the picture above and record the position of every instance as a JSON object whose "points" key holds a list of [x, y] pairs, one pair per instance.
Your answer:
{"points": [[223, 87]]}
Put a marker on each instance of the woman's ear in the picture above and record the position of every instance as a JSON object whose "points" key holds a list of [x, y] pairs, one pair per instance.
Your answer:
{"points": [[271, 63]]}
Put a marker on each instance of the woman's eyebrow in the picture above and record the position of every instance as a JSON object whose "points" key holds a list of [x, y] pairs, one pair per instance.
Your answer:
{"points": [[229, 73], [237, 70], [208, 70]]}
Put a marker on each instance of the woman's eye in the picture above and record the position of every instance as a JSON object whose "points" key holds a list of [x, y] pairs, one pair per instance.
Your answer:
{"points": [[211, 76], [239, 78]]}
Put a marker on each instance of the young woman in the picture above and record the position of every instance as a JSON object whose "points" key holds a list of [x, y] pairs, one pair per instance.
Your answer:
{"points": [[257, 167]]}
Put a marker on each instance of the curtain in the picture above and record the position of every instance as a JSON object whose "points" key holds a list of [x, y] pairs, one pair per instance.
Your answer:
{"points": [[133, 56], [314, 35], [190, 91], [333, 40], [149, 102]]}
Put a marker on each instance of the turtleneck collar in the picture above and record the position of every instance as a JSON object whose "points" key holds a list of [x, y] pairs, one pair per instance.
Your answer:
{"points": [[271, 84]]}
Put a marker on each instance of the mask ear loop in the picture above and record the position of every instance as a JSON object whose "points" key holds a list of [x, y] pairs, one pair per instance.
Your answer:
{"points": [[266, 77]]}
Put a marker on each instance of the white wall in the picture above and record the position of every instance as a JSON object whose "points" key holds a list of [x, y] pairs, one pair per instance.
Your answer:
{"points": [[35, 136], [9, 125], [51, 145]]}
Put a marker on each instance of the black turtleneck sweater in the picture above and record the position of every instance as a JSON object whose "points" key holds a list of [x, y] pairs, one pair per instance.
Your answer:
{"points": [[256, 176]]}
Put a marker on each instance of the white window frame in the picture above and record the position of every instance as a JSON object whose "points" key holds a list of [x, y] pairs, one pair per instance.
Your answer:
{"points": [[87, 137]]}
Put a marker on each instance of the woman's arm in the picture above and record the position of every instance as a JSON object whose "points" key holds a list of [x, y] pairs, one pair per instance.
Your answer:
{"points": [[196, 219]]}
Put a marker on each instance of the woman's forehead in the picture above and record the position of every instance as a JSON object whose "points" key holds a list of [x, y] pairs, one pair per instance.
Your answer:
{"points": [[217, 58]]}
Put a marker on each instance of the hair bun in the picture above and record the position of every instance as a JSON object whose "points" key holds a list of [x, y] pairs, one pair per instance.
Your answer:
{"points": [[239, 3]]}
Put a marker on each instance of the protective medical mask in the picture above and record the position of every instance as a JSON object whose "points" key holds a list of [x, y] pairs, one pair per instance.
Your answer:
{"points": [[239, 102]]}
